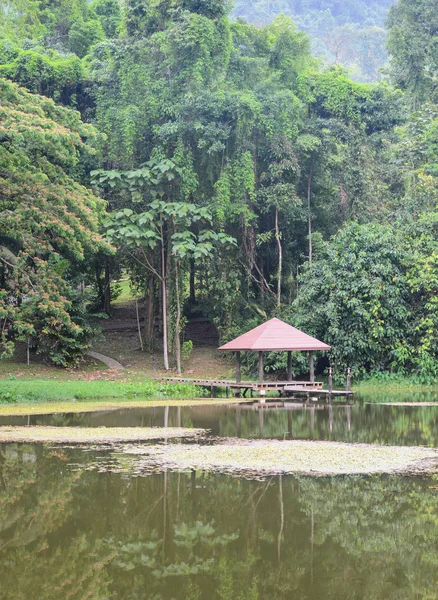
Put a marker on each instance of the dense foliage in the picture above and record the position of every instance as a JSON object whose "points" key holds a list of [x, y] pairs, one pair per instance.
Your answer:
{"points": [[350, 33], [242, 179], [48, 223]]}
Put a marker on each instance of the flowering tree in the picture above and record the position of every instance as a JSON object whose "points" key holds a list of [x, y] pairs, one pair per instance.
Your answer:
{"points": [[48, 223]]}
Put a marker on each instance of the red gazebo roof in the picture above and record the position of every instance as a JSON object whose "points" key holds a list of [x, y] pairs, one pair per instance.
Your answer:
{"points": [[274, 335]]}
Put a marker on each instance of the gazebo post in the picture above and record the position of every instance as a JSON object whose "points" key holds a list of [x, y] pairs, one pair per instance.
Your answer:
{"points": [[311, 367], [238, 367], [289, 366], [260, 367]]}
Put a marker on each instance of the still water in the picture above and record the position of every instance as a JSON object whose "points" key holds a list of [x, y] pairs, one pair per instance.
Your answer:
{"points": [[361, 422], [69, 533]]}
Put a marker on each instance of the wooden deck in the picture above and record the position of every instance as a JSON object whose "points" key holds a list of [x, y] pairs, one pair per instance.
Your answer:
{"points": [[284, 388]]}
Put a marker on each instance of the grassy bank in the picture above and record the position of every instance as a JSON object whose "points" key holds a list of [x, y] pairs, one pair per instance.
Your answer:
{"points": [[395, 385], [40, 390], [390, 389]]}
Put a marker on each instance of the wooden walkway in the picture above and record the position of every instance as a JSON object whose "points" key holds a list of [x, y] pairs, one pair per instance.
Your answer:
{"points": [[284, 388]]}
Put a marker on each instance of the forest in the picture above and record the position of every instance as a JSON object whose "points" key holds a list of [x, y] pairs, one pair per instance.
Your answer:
{"points": [[350, 32], [225, 170]]}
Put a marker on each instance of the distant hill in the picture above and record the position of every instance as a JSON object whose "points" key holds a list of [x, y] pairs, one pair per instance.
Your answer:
{"points": [[347, 32]]}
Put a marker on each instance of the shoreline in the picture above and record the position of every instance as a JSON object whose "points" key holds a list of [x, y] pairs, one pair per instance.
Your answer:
{"points": [[49, 408]]}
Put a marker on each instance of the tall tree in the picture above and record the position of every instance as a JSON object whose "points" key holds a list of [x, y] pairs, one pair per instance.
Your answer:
{"points": [[413, 47], [49, 223]]}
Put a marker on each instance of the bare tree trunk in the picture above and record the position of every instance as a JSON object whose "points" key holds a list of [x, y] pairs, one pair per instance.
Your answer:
{"points": [[192, 283], [107, 295], [280, 258], [100, 288], [309, 214], [164, 303], [138, 325], [149, 325], [298, 274], [178, 321]]}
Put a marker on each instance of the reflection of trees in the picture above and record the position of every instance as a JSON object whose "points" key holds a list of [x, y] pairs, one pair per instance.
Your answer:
{"points": [[208, 536], [36, 502], [332, 538], [368, 424], [387, 527]]}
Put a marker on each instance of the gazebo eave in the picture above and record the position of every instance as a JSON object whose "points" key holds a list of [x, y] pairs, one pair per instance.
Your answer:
{"points": [[303, 349]]}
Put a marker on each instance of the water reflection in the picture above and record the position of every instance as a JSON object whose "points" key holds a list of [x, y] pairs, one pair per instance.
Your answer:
{"points": [[396, 425], [66, 533]]}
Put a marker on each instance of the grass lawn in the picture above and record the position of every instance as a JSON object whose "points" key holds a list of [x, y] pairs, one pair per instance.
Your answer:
{"points": [[126, 294], [45, 390]]}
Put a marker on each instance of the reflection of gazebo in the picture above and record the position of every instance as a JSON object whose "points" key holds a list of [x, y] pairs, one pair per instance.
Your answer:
{"points": [[274, 336]]}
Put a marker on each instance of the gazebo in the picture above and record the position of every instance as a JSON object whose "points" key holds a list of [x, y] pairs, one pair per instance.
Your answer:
{"points": [[274, 336]]}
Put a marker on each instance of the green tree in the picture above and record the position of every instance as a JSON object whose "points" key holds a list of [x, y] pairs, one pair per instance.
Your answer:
{"points": [[413, 47], [109, 14], [355, 296], [49, 222], [159, 234]]}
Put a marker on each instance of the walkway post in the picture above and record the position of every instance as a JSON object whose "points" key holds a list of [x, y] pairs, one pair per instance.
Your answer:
{"points": [[260, 367], [289, 366], [238, 379], [348, 387], [311, 367], [330, 381]]}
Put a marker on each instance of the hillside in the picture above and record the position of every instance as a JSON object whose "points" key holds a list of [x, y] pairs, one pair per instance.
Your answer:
{"points": [[348, 32]]}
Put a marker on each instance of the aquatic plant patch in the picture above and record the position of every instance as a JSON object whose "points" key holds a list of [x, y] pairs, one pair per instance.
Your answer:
{"points": [[50, 408], [93, 435], [260, 458]]}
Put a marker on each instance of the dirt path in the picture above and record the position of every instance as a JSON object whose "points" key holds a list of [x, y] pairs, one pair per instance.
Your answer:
{"points": [[106, 360]]}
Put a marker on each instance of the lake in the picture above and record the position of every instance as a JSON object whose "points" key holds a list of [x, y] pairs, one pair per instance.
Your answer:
{"points": [[67, 532]]}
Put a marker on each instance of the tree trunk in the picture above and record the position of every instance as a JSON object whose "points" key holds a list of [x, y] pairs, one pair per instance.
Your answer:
{"points": [[164, 304], [100, 287], [107, 295], [192, 284], [149, 324], [280, 258], [309, 214], [138, 325], [177, 322]]}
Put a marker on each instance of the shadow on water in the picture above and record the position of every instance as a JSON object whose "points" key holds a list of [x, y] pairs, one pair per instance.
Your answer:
{"points": [[70, 533]]}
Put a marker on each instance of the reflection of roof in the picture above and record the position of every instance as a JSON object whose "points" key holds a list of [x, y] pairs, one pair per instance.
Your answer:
{"points": [[274, 335]]}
